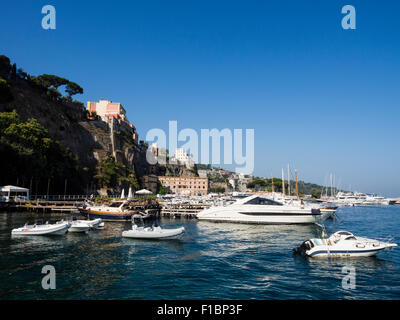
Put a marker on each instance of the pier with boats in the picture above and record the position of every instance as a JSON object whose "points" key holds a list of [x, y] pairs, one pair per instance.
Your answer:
{"points": [[250, 206]]}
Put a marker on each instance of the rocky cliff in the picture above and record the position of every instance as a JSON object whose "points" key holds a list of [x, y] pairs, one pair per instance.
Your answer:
{"points": [[67, 122]]}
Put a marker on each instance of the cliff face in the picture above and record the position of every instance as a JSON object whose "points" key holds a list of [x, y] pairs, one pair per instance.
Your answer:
{"points": [[88, 140], [61, 119], [67, 122], [177, 170]]}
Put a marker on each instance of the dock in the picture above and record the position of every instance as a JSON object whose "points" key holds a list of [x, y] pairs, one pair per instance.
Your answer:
{"points": [[44, 206], [187, 211], [174, 211]]}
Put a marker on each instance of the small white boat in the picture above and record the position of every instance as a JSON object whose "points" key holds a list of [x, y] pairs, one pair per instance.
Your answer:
{"points": [[93, 224], [78, 226], [58, 228], [100, 226], [342, 244], [152, 233]]}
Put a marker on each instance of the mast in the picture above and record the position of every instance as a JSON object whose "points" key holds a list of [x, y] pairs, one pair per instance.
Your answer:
{"points": [[272, 177], [334, 185], [288, 175], [283, 183], [297, 188]]}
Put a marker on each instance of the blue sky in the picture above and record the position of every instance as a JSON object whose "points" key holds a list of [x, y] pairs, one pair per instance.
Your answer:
{"points": [[319, 97]]}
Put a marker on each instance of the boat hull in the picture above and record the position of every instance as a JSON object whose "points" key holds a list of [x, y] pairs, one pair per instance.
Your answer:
{"points": [[271, 217], [324, 253], [106, 216], [79, 228]]}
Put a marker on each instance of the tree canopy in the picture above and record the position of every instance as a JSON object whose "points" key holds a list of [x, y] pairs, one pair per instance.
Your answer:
{"points": [[72, 88], [28, 153], [112, 173]]}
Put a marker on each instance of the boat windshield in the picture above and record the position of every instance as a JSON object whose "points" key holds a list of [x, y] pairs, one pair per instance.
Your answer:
{"points": [[344, 233], [351, 238], [263, 201]]}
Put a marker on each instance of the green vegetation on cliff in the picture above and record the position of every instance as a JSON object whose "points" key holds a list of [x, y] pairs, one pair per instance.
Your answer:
{"points": [[111, 173], [49, 144], [31, 158]]}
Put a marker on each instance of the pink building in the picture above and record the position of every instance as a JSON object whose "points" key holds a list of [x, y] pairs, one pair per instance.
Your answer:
{"points": [[106, 109], [112, 113]]}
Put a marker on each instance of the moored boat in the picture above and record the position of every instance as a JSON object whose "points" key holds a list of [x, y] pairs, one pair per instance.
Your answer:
{"points": [[93, 224], [38, 229], [78, 226], [342, 244], [259, 210], [152, 232], [116, 211]]}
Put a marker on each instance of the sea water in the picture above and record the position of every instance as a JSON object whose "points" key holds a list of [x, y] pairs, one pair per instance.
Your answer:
{"points": [[210, 261]]}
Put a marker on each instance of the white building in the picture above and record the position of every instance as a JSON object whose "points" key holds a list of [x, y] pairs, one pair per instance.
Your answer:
{"points": [[202, 173], [182, 157]]}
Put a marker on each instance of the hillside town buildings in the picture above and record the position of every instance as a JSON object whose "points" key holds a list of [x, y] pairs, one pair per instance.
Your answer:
{"points": [[185, 185], [114, 114], [181, 157]]}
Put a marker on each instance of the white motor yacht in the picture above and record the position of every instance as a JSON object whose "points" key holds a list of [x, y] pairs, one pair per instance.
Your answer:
{"points": [[58, 228], [260, 210], [342, 244]]}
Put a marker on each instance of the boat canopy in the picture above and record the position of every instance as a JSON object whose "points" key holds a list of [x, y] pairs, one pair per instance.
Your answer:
{"points": [[13, 191]]}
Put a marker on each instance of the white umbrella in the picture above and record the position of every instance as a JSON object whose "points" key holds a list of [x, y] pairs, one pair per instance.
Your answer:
{"points": [[130, 193], [123, 194], [144, 191]]}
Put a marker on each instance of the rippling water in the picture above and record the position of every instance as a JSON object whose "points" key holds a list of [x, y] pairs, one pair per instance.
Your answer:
{"points": [[211, 261]]}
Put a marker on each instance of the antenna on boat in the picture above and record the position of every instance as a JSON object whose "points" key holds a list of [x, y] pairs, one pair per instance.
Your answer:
{"points": [[297, 187], [283, 183]]}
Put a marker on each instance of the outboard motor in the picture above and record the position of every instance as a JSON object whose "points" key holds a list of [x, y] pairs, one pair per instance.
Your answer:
{"points": [[306, 245]]}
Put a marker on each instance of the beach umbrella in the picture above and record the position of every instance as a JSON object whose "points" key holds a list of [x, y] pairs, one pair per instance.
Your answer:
{"points": [[144, 191], [123, 194], [130, 193]]}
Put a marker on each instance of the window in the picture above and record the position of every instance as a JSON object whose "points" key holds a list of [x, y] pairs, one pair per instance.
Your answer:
{"points": [[263, 201]]}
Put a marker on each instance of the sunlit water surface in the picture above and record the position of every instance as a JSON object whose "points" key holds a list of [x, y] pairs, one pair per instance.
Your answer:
{"points": [[211, 261]]}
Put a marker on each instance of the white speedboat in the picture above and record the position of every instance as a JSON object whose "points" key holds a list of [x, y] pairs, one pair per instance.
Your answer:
{"points": [[78, 226], [260, 210], [342, 244], [152, 233], [58, 228]]}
